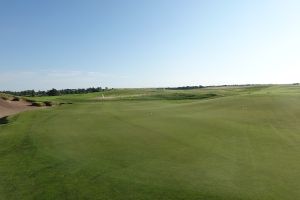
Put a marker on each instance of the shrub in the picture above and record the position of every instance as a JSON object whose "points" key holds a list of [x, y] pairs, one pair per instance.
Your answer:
{"points": [[48, 103], [63, 103], [4, 98], [37, 104], [15, 98]]}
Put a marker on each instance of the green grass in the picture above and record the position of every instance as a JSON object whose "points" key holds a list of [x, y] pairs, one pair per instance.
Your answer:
{"points": [[240, 143]]}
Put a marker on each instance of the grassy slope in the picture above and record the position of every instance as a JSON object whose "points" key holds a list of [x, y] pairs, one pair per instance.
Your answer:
{"points": [[236, 147]]}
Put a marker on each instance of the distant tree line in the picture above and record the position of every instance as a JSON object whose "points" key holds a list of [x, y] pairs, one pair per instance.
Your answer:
{"points": [[185, 87], [200, 86], [235, 85], [55, 92]]}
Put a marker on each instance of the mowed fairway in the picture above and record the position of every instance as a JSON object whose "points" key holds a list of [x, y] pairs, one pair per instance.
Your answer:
{"points": [[242, 146]]}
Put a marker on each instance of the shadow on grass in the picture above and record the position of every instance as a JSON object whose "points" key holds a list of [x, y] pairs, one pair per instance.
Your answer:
{"points": [[3, 120]]}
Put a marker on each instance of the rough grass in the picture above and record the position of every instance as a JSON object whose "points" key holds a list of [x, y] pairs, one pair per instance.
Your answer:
{"points": [[4, 96], [244, 145]]}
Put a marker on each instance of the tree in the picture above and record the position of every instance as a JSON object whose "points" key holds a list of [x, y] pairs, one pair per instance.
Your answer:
{"points": [[53, 92]]}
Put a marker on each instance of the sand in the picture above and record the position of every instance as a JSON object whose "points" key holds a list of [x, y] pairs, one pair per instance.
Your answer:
{"points": [[8, 108]]}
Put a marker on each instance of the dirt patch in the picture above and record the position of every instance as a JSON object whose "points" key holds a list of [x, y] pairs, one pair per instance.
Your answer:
{"points": [[13, 107]]}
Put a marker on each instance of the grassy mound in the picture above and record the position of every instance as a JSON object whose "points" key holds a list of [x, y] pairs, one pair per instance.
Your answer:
{"points": [[5, 96]]}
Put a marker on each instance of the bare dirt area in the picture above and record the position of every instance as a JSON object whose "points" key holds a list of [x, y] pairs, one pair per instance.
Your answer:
{"points": [[13, 107]]}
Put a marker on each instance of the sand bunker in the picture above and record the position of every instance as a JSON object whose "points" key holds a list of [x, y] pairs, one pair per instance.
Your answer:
{"points": [[13, 107]]}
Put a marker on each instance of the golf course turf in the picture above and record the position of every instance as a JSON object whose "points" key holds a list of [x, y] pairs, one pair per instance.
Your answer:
{"points": [[222, 143]]}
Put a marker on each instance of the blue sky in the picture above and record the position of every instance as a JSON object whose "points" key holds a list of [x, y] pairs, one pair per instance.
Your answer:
{"points": [[147, 43]]}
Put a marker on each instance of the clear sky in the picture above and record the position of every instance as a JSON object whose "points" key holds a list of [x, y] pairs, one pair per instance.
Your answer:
{"points": [[147, 43]]}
